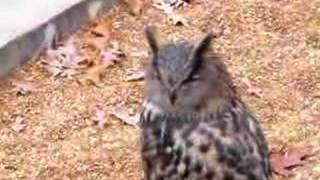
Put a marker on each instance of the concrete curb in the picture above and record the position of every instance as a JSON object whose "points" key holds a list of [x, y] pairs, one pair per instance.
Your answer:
{"points": [[19, 49]]}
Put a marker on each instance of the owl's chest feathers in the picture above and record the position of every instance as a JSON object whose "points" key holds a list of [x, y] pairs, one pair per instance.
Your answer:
{"points": [[204, 137], [222, 117]]}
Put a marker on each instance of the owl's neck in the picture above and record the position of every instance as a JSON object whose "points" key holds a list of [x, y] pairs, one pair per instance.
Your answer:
{"points": [[214, 107]]}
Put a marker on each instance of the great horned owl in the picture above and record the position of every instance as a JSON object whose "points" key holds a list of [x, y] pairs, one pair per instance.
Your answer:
{"points": [[194, 125]]}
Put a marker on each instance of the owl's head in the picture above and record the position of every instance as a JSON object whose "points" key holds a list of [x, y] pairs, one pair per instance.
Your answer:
{"points": [[180, 77]]}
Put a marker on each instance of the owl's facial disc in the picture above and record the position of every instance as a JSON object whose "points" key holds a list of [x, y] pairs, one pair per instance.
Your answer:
{"points": [[173, 70]]}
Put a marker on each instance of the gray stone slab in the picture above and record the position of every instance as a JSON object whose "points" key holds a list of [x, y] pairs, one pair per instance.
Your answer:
{"points": [[27, 27]]}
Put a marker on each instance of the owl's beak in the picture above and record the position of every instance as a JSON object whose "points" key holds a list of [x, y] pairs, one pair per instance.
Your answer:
{"points": [[172, 96]]}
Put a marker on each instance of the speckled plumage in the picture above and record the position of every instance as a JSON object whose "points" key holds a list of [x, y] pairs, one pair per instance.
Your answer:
{"points": [[194, 125]]}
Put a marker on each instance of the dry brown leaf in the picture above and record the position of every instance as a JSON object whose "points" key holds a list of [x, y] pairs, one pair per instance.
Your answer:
{"points": [[93, 75], [104, 29], [124, 115], [98, 43], [108, 58], [309, 117], [135, 6], [25, 87], [64, 60], [252, 89], [135, 75], [69, 73], [54, 70], [282, 162], [168, 7], [18, 124], [115, 49], [315, 119], [100, 118]]}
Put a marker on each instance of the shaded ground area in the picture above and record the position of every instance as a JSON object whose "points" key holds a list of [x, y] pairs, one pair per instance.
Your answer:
{"points": [[275, 44]]}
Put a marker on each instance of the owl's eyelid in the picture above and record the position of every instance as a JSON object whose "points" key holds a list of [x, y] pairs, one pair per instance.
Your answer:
{"points": [[191, 78], [195, 77]]}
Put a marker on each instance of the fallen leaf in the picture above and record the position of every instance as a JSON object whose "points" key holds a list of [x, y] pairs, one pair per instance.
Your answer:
{"points": [[69, 73], [24, 87], [178, 3], [135, 75], [54, 70], [115, 49], [69, 54], [135, 6], [108, 58], [104, 29], [309, 117], [98, 43], [100, 118], [252, 89], [315, 119], [65, 59], [283, 162], [18, 124], [168, 7], [124, 115], [92, 75], [111, 55]]}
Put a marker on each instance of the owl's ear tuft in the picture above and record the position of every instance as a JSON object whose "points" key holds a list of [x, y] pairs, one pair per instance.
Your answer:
{"points": [[201, 46], [150, 32]]}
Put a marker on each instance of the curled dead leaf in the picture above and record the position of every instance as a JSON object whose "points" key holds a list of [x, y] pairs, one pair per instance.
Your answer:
{"points": [[25, 87], [18, 125], [98, 43], [168, 7], [252, 89], [108, 58], [115, 49], [135, 75], [282, 162], [124, 115], [310, 117], [64, 60], [93, 75], [100, 118]]}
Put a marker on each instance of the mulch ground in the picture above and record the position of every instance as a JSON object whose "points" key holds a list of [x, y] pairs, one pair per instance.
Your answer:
{"points": [[275, 44]]}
